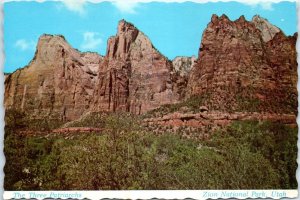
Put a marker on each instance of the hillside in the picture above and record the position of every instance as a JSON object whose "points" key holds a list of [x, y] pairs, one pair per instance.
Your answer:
{"points": [[133, 119]]}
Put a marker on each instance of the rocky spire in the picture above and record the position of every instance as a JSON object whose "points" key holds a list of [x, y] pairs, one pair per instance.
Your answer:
{"points": [[119, 45], [135, 77], [267, 29], [241, 61], [53, 48]]}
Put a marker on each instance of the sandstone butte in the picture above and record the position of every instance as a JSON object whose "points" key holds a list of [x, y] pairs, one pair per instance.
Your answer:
{"points": [[240, 63]]}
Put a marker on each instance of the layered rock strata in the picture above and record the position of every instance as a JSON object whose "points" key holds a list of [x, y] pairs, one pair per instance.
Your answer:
{"points": [[242, 67], [245, 66], [58, 83], [134, 76], [61, 82]]}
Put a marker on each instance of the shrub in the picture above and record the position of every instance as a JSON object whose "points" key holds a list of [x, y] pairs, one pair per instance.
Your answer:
{"points": [[245, 155]]}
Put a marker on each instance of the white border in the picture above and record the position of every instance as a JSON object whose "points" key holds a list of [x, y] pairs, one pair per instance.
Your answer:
{"points": [[142, 194], [2, 157], [148, 194]]}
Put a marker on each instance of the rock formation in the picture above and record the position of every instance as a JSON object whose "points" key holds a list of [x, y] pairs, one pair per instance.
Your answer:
{"points": [[242, 66], [268, 31], [181, 70], [135, 77], [183, 65], [59, 81], [245, 66]]}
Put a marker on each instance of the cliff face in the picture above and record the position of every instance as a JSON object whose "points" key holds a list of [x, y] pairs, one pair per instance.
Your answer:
{"points": [[135, 77], [242, 66], [181, 70], [245, 66], [58, 82], [63, 83], [183, 65]]}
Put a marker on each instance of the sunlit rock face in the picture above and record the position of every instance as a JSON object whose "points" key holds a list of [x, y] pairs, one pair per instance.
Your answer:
{"points": [[245, 65], [134, 76], [62, 82], [59, 82], [242, 66], [268, 31]]}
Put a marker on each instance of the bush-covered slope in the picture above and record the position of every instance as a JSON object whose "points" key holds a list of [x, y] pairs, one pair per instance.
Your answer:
{"points": [[244, 155]]}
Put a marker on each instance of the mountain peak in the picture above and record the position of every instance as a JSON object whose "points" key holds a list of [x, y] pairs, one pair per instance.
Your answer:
{"points": [[124, 22], [215, 18], [45, 35], [257, 17], [224, 17], [46, 38], [267, 29], [134, 76], [52, 48], [125, 26], [241, 19], [118, 46]]}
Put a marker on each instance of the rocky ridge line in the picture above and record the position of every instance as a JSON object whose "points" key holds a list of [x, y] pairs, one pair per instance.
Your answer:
{"points": [[242, 66], [61, 82]]}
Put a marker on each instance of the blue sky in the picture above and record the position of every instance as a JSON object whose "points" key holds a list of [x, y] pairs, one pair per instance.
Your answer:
{"points": [[175, 29]]}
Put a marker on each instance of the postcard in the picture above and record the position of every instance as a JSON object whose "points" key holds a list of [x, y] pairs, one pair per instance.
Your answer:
{"points": [[150, 99]]}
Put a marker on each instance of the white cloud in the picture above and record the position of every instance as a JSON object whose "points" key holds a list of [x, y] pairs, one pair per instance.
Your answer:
{"points": [[24, 45], [75, 5], [129, 6], [266, 5], [126, 6], [91, 41], [168, 1]]}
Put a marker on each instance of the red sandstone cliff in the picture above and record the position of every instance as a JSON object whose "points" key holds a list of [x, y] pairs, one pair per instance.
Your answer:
{"points": [[59, 81], [243, 66], [134, 76]]}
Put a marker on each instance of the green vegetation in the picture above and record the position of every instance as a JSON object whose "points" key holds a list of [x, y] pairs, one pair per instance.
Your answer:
{"points": [[239, 101], [271, 144], [192, 104], [248, 103], [93, 119], [244, 155]]}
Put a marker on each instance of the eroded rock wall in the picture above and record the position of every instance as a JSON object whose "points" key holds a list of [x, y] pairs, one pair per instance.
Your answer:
{"points": [[238, 69]]}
